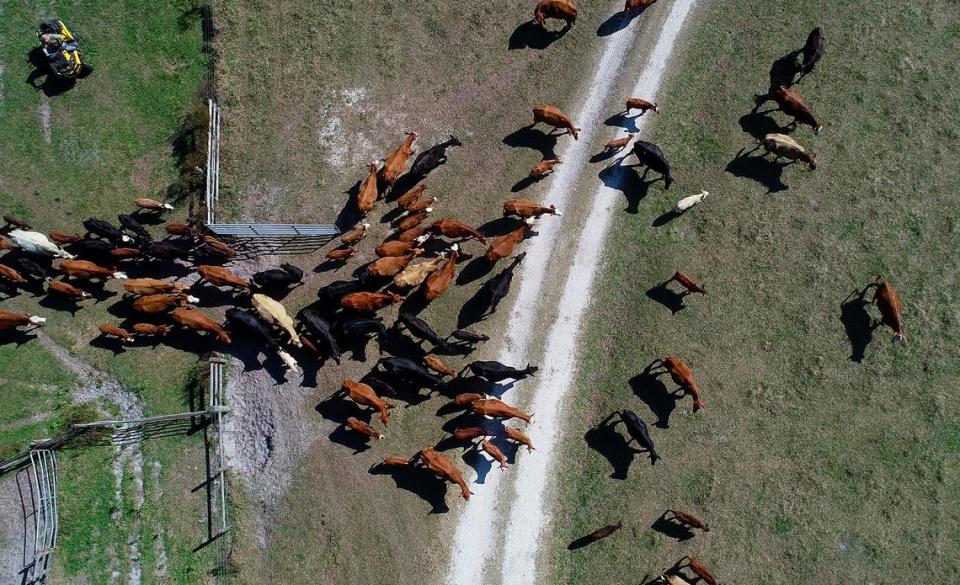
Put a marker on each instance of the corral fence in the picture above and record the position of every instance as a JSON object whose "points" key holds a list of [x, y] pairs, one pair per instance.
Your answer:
{"points": [[39, 465], [213, 160]]}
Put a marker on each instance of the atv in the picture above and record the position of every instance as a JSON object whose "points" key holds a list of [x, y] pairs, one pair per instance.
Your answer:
{"points": [[62, 50]]}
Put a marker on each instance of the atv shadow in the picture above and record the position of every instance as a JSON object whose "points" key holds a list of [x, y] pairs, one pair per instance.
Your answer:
{"points": [[51, 86]]}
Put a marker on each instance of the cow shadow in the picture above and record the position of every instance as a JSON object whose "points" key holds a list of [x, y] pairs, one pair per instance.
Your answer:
{"points": [[759, 124], [480, 464], [17, 337], [857, 323], [666, 218], [768, 173], [605, 440], [500, 226], [535, 139], [671, 529], [530, 35], [247, 353], [402, 186], [418, 481], [474, 310], [61, 303], [629, 182], [617, 22], [474, 270], [622, 120], [667, 297], [114, 345], [784, 70], [526, 182], [655, 394], [349, 215], [51, 85]]}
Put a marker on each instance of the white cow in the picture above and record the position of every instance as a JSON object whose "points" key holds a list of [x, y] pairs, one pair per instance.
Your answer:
{"points": [[274, 312], [688, 202], [38, 243]]}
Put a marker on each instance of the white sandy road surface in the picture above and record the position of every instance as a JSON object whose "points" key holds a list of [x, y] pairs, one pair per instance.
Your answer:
{"points": [[476, 535]]}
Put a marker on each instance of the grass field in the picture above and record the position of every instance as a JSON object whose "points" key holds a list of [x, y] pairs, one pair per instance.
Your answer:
{"points": [[71, 153], [822, 454]]}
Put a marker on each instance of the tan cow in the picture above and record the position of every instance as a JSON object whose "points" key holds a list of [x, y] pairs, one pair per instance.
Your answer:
{"points": [[469, 433], [367, 197], [440, 465], [124, 253], [194, 319], [365, 395], [682, 376], [619, 143], [368, 302], [688, 283], [439, 281], [413, 220], [392, 265], [341, 254], [690, 520], [503, 246], [415, 274], [792, 104], [498, 409], [11, 275], [220, 276], [552, 116], [564, 10], [152, 204], [398, 248], [467, 398], [781, 145], [634, 5], [150, 329], [62, 238], [396, 161], [273, 312], [525, 208], [397, 461], [411, 234], [494, 452]]}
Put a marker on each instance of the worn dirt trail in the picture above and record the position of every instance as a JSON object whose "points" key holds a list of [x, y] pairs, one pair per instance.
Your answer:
{"points": [[480, 527]]}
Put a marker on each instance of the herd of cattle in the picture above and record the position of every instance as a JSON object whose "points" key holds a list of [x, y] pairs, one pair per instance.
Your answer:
{"points": [[347, 309]]}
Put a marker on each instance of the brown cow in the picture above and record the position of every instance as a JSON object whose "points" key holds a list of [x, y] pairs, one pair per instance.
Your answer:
{"points": [[365, 395], [633, 5], [6, 244], [11, 275], [220, 276], [367, 197], [504, 245], [467, 398], [564, 10], [397, 461], [392, 265], [552, 116], [85, 270], [65, 289], [62, 238], [452, 228], [152, 304], [411, 196], [398, 248], [525, 208], [415, 274], [152, 286], [543, 167], [413, 220], [682, 376], [418, 206], [194, 319], [469, 433], [355, 235], [114, 331], [151, 204], [341, 254], [781, 145], [498, 409], [688, 283], [124, 253], [619, 143], [150, 329], [494, 452], [689, 520], [437, 365], [515, 434], [411, 234], [439, 281], [642, 105], [792, 104], [13, 220], [10, 320], [600, 533], [396, 161], [888, 302], [215, 247], [698, 569], [362, 428], [440, 465], [180, 229], [368, 302]]}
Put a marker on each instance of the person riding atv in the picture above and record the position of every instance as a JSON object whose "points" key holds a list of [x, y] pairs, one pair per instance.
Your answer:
{"points": [[62, 51]]}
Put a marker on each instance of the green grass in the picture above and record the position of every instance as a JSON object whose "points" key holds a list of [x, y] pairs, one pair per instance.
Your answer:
{"points": [[809, 466]]}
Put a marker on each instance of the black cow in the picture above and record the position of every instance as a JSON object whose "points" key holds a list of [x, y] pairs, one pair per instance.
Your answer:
{"points": [[333, 292], [278, 278], [241, 320], [652, 157], [107, 230], [133, 226], [91, 247], [320, 328], [30, 268], [409, 370], [498, 287], [165, 250], [421, 330], [468, 336], [433, 157], [812, 51], [360, 327], [637, 429], [497, 372]]}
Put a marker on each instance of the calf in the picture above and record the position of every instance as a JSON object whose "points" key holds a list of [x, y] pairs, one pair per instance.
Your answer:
{"points": [[542, 168], [781, 145], [439, 281], [152, 204], [65, 289], [689, 520], [652, 157], [355, 235], [492, 450], [220, 276], [432, 157], [525, 208], [497, 372], [341, 254], [619, 143], [642, 105], [10, 320], [688, 202], [88, 270], [106, 230], [150, 329], [813, 50], [498, 287], [793, 105], [194, 319], [504, 245], [396, 161], [552, 116], [497, 409], [363, 428], [364, 395], [688, 283], [437, 365], [601, 533], [278, 278], [564, 10], [114, 331], [888, 302], [452, 228], [443, 468], [368, 302], [367, 196]]}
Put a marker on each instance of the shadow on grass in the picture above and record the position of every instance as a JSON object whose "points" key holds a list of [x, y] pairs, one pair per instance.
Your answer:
{"points": [[531, 35], [857, 323], [654, 393], [419, 481], [605, 440], [617, 22]]}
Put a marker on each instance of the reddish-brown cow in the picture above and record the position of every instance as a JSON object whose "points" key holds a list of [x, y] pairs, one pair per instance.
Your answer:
{"points": [[504, 245], [365, 395], [552, 116], [439, 281], [193, 319], [564, 10], [368, 302], [439, 464], [888, 302], [498, 409]]}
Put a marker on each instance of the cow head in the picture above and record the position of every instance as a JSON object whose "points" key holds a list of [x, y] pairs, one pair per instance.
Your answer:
{"points": [[37, 320]]}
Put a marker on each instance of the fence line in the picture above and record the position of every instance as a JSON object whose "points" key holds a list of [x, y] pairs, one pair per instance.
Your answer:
{"points": [[213, 159]]}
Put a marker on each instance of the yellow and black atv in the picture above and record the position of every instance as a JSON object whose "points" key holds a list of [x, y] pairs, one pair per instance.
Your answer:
{"points": [[62, 50]]}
